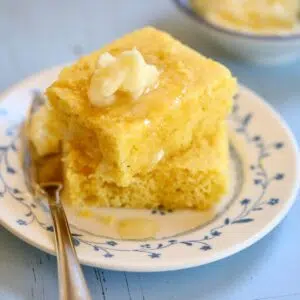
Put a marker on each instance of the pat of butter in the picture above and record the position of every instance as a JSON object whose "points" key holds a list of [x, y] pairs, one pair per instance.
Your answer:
{"points": [[128, 72]]}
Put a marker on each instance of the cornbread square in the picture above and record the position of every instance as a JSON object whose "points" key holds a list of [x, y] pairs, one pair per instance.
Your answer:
{"points": [[129, 138], [195, 178]]}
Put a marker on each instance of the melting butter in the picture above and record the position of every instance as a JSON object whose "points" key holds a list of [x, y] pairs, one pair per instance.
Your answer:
{"points": [[85, 213], [104, 219], [137, 228], [128, 72], [107, 220]]}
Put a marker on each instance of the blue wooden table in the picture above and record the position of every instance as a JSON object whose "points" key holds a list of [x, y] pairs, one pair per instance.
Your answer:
{"points": [[38, 34]]}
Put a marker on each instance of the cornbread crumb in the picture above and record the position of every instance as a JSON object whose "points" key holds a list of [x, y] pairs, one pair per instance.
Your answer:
{"points": [[45, 131]]}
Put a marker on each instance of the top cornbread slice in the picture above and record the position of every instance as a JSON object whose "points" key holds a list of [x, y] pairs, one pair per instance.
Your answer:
{"points": [[130, 137]]}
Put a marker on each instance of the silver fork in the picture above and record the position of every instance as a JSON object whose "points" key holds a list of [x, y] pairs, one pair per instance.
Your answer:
{"points": [[72, 285]]}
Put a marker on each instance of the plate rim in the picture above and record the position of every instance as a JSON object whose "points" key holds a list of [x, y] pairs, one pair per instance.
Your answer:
{"points": [[193, 261]]}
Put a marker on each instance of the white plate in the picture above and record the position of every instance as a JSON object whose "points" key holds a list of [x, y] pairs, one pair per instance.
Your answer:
{"points": [[264, 185]]}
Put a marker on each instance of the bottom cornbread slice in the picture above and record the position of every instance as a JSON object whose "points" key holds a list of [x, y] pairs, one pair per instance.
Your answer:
{"points": [[196, 178]]}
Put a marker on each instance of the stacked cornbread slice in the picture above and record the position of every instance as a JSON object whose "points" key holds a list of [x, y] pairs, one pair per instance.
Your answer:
{"points": [[143, 125]]}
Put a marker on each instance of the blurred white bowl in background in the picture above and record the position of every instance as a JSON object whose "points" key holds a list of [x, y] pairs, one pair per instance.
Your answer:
{"points": [[260, 48]]}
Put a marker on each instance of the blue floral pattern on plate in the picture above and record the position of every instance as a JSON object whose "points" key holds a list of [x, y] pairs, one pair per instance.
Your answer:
{"points": [[267, 193], [154, 250]]}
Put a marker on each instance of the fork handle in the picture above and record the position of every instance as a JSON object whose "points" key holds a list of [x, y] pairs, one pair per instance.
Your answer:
{"points": [[72, 285]]}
